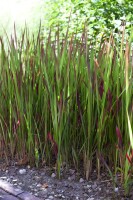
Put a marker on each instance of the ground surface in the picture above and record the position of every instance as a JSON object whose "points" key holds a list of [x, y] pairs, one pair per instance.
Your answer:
{"points": [[44, 184]]}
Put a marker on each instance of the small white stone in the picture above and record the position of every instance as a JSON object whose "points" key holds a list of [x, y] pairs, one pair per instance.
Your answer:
{"points": [[99, 189], [81, 180], [3, 177], [38, 185], [22, 171], [88, 186], [116, 189], [14, 180], [52, 192], [53, 175], [35, 190], [31, 186], [50, 197]]}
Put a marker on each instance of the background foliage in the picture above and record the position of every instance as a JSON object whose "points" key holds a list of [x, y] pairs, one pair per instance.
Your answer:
{"points": [[100, 16]]}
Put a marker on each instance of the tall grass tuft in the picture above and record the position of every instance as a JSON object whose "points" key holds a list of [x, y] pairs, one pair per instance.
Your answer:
{"points": [[67, 101]]}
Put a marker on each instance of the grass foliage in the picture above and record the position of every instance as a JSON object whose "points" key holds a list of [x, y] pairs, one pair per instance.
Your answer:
{"points": [[68, 101]]}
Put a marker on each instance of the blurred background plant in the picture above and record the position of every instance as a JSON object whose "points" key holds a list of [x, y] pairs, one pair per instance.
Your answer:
{"points": [[101, 17], [20, 12]]}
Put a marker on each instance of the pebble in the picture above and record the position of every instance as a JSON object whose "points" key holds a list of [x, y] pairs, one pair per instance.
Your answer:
{"points": [[43, 174], [71, 178], [116, 189], [35, 190], [38, 185], [88, 186], [50, 197], [43, 192], [107, 191], [31, 186], [36, 178], [59, 191], [3, 177], [53, 175], [14, 180], [71, 171], [85, 195], [94, 186], [22, 171], [99, 189], [81, 180]]}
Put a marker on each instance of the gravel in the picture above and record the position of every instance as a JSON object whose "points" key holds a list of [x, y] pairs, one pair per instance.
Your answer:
{"points": [[44, 184]]}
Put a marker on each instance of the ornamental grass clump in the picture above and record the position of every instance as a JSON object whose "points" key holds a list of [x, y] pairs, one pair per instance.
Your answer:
{"points": [[67, 101]]}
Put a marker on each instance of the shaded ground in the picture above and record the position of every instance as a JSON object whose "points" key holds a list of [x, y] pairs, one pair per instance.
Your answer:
{"points": [[44, 184]]}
